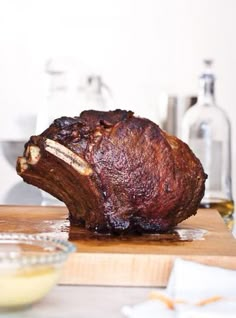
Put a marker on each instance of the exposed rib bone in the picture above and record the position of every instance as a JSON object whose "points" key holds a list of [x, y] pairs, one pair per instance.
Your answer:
{"points": [[32, 154], [68, 156], [22, 165]]}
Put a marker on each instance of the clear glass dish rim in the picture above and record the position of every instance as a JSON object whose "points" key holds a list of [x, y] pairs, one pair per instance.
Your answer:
{"points": [[65, 248]]}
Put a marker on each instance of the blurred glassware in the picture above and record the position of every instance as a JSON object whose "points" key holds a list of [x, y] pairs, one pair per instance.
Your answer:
{"points": [[30, 265], [22, 193], [168, 113], [171, 109], [95, 94], [13, 146], [70, 92], [189, 101], [206, 128], [11, 150], [18, 193], [184, 104]]}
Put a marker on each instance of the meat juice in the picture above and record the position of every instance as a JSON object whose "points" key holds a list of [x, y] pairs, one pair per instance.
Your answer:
{"points": [[225, 208]]}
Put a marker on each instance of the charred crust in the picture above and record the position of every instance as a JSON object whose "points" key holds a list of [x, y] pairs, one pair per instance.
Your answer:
{"points": [[116, 173]]}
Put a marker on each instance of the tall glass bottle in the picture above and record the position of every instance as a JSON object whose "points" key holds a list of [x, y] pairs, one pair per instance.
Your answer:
{"points": [[69, 93], [206, 129], [57, 101]]}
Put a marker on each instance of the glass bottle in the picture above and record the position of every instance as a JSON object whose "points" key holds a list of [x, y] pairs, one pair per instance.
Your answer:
{"points": [[206, 129], [95, 94], [69, 94], [57, 99], [168, 113]]}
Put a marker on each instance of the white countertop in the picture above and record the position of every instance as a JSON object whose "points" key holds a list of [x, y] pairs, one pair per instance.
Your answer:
{"points": [[83, 302]]}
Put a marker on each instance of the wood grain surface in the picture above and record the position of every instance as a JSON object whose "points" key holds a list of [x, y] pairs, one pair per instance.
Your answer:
{"points": [[127, 260]]}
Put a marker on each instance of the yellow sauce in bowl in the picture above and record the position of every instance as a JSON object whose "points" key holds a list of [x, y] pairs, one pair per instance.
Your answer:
{"points": [[23, 287]]}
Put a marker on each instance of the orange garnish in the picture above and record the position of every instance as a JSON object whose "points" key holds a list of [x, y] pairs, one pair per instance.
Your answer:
{"points": [[209, 300], [180, 301], [166, 300]]}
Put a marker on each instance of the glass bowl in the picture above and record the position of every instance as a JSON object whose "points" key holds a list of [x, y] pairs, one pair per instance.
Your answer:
{"points": [[30, 265]]}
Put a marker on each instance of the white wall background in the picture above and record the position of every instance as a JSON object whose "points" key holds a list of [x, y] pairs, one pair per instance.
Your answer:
{"points": [[141, 48]]}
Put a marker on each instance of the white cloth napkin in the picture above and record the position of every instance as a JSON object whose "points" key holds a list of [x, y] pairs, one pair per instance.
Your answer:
{"points": [[194, 291]]}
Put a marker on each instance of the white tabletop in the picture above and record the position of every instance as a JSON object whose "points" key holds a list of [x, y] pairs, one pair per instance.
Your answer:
{"points": [[83, 302]]}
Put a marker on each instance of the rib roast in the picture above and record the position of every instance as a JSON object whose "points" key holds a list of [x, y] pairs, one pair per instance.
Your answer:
{"points": [[115, 172]]}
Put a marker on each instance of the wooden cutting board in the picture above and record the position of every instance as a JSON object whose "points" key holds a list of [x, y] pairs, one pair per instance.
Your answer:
{"points": [[129, 261]]}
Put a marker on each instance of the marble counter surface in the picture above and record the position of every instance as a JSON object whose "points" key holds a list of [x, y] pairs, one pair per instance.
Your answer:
{"points": [[83, 302]]}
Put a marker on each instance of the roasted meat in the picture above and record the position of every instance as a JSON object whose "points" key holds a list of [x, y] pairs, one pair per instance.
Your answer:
{"points": [[115, 172]]}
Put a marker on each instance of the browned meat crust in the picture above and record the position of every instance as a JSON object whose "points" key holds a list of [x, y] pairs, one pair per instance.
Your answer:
{"points": [[115, 172]]}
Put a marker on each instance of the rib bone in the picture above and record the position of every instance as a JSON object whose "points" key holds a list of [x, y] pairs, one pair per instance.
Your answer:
{"points": [[22, 165], [32, 154], [68, 156]]}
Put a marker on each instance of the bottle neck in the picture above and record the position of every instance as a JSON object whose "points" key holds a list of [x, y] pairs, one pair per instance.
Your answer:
{"points": [[206, 94]]}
